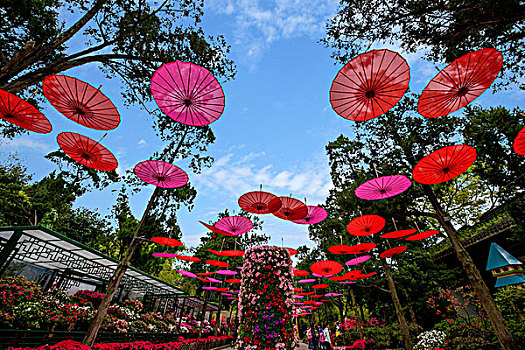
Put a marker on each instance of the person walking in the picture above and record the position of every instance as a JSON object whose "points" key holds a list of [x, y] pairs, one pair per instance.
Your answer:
{"points": [[310, 337], [326, 338]]}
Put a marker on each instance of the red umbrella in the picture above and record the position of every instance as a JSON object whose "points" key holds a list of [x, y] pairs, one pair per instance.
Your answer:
{"points": [[206, 273], [359, 260], [291, 209], [369, 85], [23, 114], [216, 230], [460, 83], [217, 263], [444, 164], [326, 267], [337, 278], [87, 151], [259, 202], [422, 235], [352, 275], [317, 296], [167, 241], [188, 258], [164, 255], [298, 289], [342, 249], [300, 273], [366, 225], [233, 253], [81, 102], [383, 187], [393, 252], [235, 225], [363, 247], [399, 234], [519, 143], [315, 215], [233, 280], [368, 275], [161, 174], [187, 93], [306, 293], [292, 251]]}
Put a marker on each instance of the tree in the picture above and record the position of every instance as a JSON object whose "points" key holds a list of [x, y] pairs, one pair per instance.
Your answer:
{"points": [[128, 39], [445, 29]]}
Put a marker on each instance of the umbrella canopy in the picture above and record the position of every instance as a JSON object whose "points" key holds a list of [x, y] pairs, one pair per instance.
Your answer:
{"points": [[217, 263], [259, 202], [352, 275], [233, 280], [87, 151], [23, 114], [298, 289], [326, 267], [383, 187], [368, 275], [164, 255], [346, 282], [393, 252], [333, 295], [365, 225], [519, 143], [81, 102], [306, 281], [209, 288], [187, 93], [422, 235], [235, 225], [226, 272], [292, 251], [342, 249], [359, 260], [188, 258], [214, 280], [399, 234], [172, 242], [460, 83], [218, 231], [300, 273], [337, 278], [161, 174], [233, 253], [369, 85], [291, 209], [315, 215], [187, 273], [444, 164], [205, 273]]}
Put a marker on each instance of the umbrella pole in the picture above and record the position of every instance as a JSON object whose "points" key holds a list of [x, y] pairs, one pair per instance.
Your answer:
{"points": [[32, 94], [375, 169], [222, 245], [235, 244]]}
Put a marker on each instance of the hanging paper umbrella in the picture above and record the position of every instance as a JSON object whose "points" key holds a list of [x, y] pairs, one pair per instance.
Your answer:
{"points": [[383, 187], [300, 273], [399, 234], [205, 273], [259, 202], [218, 231], [187, 93], [209, 288], [326, 267], [359, 260], [393, 252], [81, 102], [363, 248], [226, 272], [342, 249], [214, 280], [298, 289], [298, 296], [346, 282], [216, 252], [87, 151], [171, 242], [316, 296], [316, 275], [352, 275], [337, 278], [365, 225], [444, 164], [309, 302], [460, 83], [233, 253], [217, 263], [188, 258], [291, 209], [315, 215], [306, 281], [368, 275], [292, 251], [519, 143], [187, 273], [233, 280], [164, 255], [369, 85], [333, 295], [161, 174], [235, 225], [221, 289], [23, 114], [422, 235]]}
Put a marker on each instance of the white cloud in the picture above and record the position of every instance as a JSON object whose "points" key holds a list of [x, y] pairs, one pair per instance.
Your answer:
{"points": [[142, 143], [29, 142]]}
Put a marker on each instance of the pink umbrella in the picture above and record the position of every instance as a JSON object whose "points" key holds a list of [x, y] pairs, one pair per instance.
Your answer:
{"points": [[226, 294], [315, 215], [235, 225], [298, 296], [316, 275], [209, 288], [187, 93], [164, 255], [306, 281], [359, 260], [383, 187], [346, 282], [187, 273], [333, 294], [161, 174], [214, 280], [226, 272]]}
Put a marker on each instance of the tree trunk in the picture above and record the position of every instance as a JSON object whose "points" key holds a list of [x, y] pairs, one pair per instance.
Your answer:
{"points": [[218, 317], [476, 281], [411, 311], [341, 306], [399, 310], [204, 305], [357, 317]]}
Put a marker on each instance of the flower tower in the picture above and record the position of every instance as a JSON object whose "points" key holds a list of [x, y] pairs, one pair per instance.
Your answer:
{"points": [[266, 300], [507, 269]]}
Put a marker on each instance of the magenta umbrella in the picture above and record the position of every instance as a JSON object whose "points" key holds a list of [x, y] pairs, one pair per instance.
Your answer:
{"points": [[187, 93], [315, 215], [187, 273], [214, 280], [164, 255], [346, 282], [358, 260], [383, 187], [209, 288], [235, 225], [306, 281], [161, 174], [226, 272], [333, 295]]}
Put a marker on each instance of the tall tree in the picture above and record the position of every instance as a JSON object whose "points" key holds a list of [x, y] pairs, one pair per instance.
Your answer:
{"points": [[444, 29]]}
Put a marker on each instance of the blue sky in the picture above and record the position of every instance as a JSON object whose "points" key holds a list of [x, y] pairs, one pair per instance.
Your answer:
{"points": [[276, 122]]}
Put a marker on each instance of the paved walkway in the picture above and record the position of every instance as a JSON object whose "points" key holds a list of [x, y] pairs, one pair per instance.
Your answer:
{"points": [[302, 346]]}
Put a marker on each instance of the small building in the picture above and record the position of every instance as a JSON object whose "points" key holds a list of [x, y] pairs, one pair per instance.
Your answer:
{"points": [[507, 269]]}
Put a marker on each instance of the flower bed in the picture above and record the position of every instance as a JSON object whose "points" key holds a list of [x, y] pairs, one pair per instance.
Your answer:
{"points": [[266, 300]]}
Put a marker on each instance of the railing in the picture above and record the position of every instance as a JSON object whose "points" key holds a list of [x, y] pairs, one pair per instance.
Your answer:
{"points": [[35, 338]]}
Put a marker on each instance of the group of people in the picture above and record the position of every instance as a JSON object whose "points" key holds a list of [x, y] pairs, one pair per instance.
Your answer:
{"points": [[320, 338]]}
